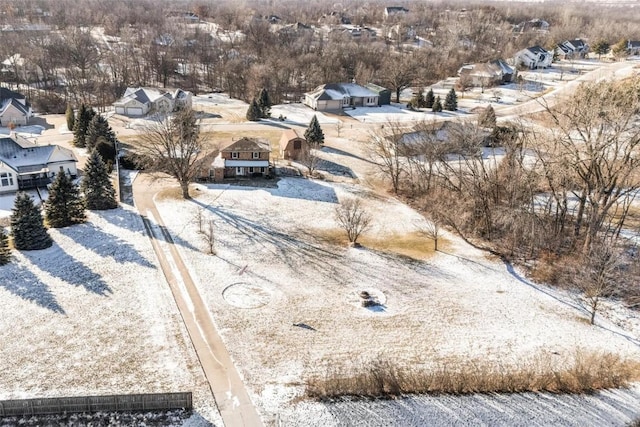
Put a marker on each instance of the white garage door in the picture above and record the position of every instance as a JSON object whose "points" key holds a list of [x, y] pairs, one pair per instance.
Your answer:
{"points": [[134, 111], [119, 110]]}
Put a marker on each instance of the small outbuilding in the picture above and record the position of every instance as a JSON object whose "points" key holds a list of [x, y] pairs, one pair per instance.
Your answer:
{"points": [[292, 145]]}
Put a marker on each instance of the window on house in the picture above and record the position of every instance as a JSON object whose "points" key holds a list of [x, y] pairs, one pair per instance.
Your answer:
{"points": [[234, 154], [239, 171], [255, 155], [297, 145], [250, 170], [262, 170], [6, 179]]}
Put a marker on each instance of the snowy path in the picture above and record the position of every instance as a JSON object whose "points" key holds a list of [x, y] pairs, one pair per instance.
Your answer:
{"points": [[231, 397]]}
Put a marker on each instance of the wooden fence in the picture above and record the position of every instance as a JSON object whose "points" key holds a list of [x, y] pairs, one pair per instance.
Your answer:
{"points": [[80, 404]]}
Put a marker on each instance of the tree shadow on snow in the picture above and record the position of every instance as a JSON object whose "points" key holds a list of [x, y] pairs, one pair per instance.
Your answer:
{"points": [[21, 282], [104, 244], [58, 263]]}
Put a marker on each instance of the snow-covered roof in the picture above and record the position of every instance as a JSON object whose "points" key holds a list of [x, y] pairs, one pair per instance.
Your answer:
{"points": [[338, 91], [24, 158], [144, 95]]}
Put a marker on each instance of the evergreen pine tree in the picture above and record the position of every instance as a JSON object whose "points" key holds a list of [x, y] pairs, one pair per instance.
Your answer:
{"points": [[487, 118], [429, 99], [81, 125], [64, 206], [27, 227], [418, 100], [96, 184], [264, 103], [314, 134], [71, 118], [437, 105], [451, 101], [98, 126], [5, 250], [106, 149], [254, 113]]}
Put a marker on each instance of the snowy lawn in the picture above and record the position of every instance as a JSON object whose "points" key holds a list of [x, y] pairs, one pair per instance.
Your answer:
{"points": [[300, 114], [286, 299], [94, 315], [389, 114]]}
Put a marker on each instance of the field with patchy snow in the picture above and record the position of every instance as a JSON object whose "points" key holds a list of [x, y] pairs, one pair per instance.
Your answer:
{"points": [[94, 315], [286, 299]]}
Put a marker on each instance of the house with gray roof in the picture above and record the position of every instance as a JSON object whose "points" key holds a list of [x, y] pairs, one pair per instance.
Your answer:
{"points": [[141, 101], [14, 108], [534, 57], [572, 49], [24, 164], [488, 74], [336, 96]]}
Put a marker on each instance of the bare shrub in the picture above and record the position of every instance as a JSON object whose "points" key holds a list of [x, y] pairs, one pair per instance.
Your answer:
{"points": [[587, 372]]}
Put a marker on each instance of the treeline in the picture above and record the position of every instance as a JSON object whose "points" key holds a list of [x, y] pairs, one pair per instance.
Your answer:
{"points": [[92, 53]]}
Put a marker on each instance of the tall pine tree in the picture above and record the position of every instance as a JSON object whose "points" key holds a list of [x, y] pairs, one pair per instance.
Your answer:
{"points": [[98, 127], [27, 227], [451, 101], [264, 103], [254, 113], [64, 206], [429, 99], [437, 105], [70, 116], [314, 134], [5, 250], [96, 184], [81, 125]]}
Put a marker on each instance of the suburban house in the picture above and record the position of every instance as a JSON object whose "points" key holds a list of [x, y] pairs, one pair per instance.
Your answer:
{"points": [[537, 25], [488, 74], [244, 158], [465, 137], [14, 108], [336, 96], [141, 101], [25, 164], [633, 47], [391, 11], [384, 94], [292, 145], [572, 49], [534, 57]]}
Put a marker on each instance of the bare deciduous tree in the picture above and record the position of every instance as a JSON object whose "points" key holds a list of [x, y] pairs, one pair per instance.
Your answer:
{"points": [[309, 157], [173, 145], [387, 149], [353, 218]]}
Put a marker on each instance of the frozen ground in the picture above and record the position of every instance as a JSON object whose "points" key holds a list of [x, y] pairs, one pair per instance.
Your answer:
{"points": [[93, 315], [273, 271], [300, 114]]}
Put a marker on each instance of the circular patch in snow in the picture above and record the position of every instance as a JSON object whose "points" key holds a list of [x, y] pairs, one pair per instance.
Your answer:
{"points": [[246, 295]]}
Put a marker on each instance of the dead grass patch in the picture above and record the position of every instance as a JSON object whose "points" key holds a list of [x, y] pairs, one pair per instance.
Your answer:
{"points": [[173, 193], [587, 372], [412, 245]]}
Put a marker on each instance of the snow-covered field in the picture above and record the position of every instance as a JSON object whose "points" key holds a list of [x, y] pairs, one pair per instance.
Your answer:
{"points": [[94, 315], [300, 114], [273, 272]]}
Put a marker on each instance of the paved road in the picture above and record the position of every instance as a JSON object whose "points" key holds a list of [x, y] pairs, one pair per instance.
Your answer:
{"points": [[231, 397]]}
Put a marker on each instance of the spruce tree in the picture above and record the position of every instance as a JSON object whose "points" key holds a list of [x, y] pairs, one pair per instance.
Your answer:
{"points": [[487, 118], [418, 100], [314, 134], [27, 227], [429, 99], [106, 149], [5, 250], [81, 125], [71, 118], [264, 103], [96, 184], [64, 206], [98, 127], [451, 101], [437, 105], [254, 113]]}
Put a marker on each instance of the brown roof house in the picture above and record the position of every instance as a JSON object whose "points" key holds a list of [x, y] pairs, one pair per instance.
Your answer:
{"points": [[245, 158], [292, 145]]}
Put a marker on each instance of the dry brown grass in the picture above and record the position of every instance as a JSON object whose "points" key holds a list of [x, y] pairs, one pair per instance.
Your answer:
{"points": [[587, 372], [413, 245]]}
